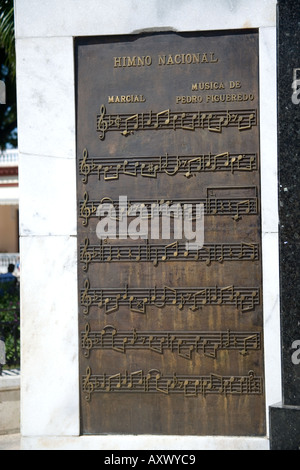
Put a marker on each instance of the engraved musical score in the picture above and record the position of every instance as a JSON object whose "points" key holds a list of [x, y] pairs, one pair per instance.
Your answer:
{"points": [[111, 169], [170, 323], [155, 382], [105, 252], [137, 299], [235, 206], [213, 121], [184, 343]]}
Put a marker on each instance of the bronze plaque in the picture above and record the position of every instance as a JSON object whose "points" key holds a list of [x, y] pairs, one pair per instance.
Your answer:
{"points": [[170, 316]]}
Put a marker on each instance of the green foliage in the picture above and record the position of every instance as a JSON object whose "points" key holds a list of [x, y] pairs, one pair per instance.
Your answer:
{"points": [[8, 112], [7, 34], [10, 324]]}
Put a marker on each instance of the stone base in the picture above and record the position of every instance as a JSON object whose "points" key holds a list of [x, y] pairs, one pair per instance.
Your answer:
{"points": [[9, 405], [284, 427], [117, 443]]}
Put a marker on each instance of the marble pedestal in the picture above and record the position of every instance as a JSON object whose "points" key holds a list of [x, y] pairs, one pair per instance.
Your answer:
{"points": [[45, 33]]}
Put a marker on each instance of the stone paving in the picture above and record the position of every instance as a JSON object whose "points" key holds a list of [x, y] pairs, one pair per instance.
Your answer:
{"points": [[10, 442]]}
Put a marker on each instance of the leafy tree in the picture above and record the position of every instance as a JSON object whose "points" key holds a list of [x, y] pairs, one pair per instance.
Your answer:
{"points": [[10, 323], [8, 112]]}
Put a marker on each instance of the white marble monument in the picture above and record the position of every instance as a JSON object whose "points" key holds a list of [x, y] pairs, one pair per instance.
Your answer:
{"points": [[45, 32]]}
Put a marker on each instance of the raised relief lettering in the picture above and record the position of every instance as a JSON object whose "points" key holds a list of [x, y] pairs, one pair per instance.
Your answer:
{"points": [[187, 59], [126, 99], [135, 61]]}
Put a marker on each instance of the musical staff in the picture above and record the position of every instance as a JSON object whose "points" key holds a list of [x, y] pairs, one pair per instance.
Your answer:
{"points": [[154, 381], [222, 205], [183, 343], [213, 121], [110, 168], [155, 253], [137, 299]]}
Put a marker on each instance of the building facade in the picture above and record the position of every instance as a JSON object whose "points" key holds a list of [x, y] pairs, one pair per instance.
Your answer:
{"points": [[9, 208]]}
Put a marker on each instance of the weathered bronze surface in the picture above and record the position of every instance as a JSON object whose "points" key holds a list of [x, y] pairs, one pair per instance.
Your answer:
{"points": [[171, 339]]}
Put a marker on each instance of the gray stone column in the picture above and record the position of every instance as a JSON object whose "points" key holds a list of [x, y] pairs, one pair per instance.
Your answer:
{"points": [[285, 416]]}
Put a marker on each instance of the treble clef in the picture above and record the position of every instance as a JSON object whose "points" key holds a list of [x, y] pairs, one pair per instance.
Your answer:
{"points": [[88, 386], [86, 299], [85, 211], [87, 343], [85, 256], [85, 169], [101, 123]]}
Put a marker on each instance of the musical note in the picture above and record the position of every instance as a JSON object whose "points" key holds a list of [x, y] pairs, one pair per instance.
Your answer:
{"points": [[223, 291], [208, 259], [149, 120], [252, 160], [218, 127], [134, 337], [239, 205], [190, 387], [114, 307], [190, 127], [151, 170], [199, 160], [122, 348], [127, 172], [243, 250], [249, 301], [166, 112], [183, 344], [221, 257], [174, 251], [220, 156], [203, 299], [116, 385], [244, 351], [213, 347], [239, 159], [107, 169], [249, 122], [166, 165], [175, 117], [135, 119], [139, 374], [159, 387], [215, 383], [140, 304]]}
